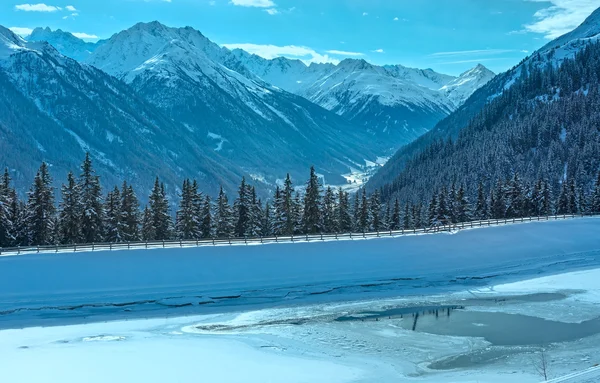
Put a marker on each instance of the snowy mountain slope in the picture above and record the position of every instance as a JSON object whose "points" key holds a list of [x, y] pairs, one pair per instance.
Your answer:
{"points": [[460, 89], [393, 101], [64, 42], [262, 128], [57, 109], [553, 53]]}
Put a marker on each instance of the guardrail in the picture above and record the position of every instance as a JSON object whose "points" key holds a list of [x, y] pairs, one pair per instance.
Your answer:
{"points": [[272, 239]]}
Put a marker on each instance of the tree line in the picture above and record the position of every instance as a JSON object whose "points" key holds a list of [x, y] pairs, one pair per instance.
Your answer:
{"points": [[85, 215]]}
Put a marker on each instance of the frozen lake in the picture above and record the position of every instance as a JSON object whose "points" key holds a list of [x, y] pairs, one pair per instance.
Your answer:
{"points": [[425, 308]]}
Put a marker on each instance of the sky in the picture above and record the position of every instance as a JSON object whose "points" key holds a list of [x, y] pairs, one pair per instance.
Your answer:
{"points": [[449, 36]]}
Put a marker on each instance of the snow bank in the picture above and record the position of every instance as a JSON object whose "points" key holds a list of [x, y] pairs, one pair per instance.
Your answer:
{"points": [[199, 279]]}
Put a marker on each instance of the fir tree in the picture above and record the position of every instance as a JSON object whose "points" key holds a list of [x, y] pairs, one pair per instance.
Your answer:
{"points": [[41, 210], [364, 216], [130, 214], [223, 216], [595, 202], [344, 218], [312, 218], [395, 220], [206, 226], [160, 219], [70, 212], [463, 209], [375, 207], [113, 216], [330, 223], [92, 211], [481, 210], [242, 210], [187, 218]]}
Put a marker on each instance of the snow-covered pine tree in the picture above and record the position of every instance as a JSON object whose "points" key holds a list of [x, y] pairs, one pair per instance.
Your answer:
{"points": [[267, 223], [572, 196], [159, 212], [407, 223], [395, 219], [432, 214], [70, 212], [481, 208], [6, 221], [148, 233], [595, 200], [206, 225], [330, 222], [451, 200], [187, 220], [112, 222], [356, 212], [297, 213], [364, 218], [242, 207], [343, 214], [224, 224], [463, 207], [562, 207], [497, 202], [312, 218], [41, 209], [92, 211], [375, 211], [443, 210], [130, 214]]}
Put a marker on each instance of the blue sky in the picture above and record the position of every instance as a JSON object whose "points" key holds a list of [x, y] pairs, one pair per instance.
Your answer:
{"points": [[449, 36]]}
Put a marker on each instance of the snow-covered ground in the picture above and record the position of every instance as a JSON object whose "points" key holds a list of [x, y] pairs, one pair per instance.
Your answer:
{"points": [[461, 307]]}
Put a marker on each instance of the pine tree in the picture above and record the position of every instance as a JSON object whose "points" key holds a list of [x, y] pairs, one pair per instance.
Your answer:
{"points": [[572, 197], [595, 202], [463, 208], [6, 221], [330, 222], [112, 210], [433, 211], [356, 212], [443, 212], [312, 218], [267, 223], [187, 218], [375, 207], [546, 207], [344, 218], [395, 220], [148, 231], [407, 223], [130, 214], [41, 210], [223, 216], [206, 226], [481, 210], [297, 213], [160, 219], [563, 200], [70, 212], [256, 214], [498, 205], [91, 201], [364, 216], [242, 210]]}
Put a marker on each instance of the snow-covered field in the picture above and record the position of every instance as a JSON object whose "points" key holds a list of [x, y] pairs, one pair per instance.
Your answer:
{"points": [[473, 306]]}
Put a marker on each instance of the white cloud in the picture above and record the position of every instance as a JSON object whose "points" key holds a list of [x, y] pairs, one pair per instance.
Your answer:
{"points": [[21, 31], [344, 53], [272, 11], [365, 13], [84, 36], [307, 55], [254, 3], [378, 51], [480, 60], [473, 52], [70, 8], [212, 2], [396, 19], [562, 16], [37, 8]]}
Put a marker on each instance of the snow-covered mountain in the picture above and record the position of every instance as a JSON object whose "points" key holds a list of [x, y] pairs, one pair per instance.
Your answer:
{"points": [[64, 42], [461, 88], [391, 101], [54, 109], [260, 127]]}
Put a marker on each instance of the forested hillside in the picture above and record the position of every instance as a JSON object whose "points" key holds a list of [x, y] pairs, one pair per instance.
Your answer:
{"points": [[544, 127]]}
